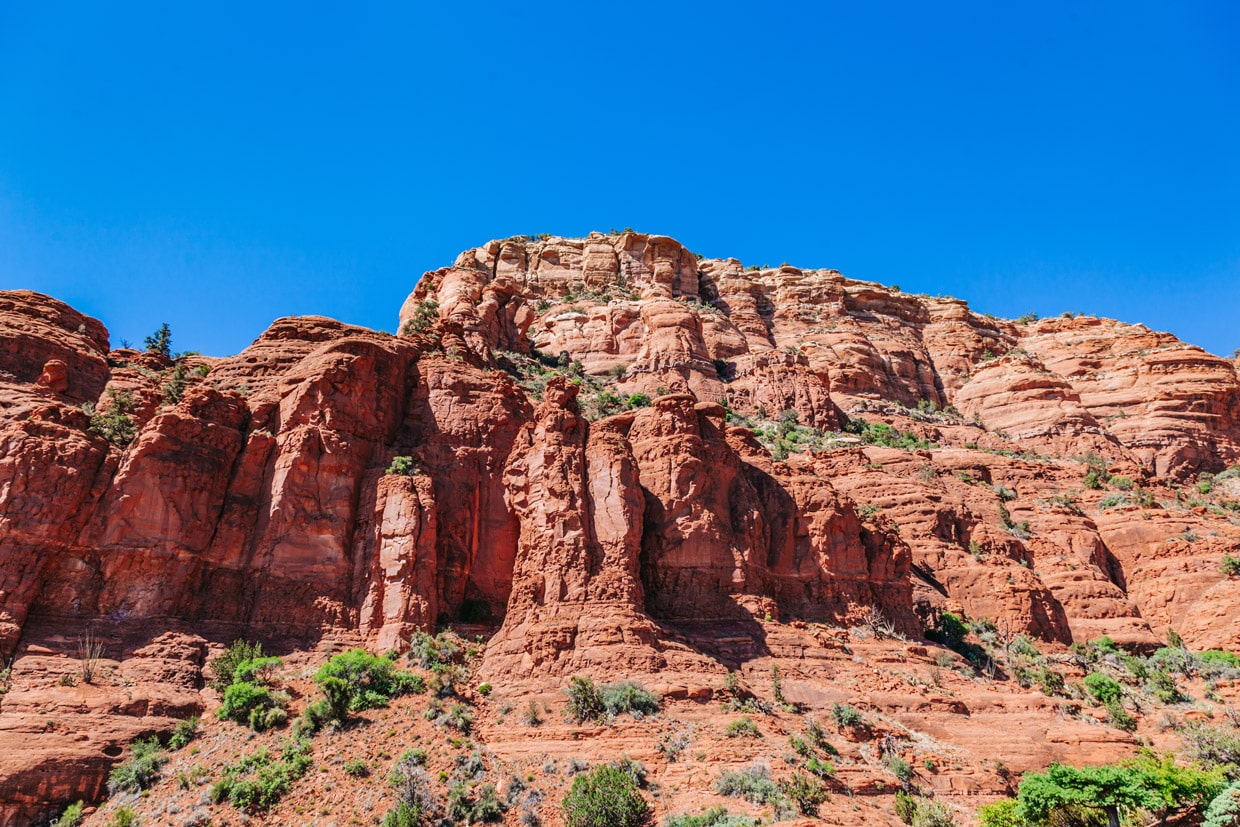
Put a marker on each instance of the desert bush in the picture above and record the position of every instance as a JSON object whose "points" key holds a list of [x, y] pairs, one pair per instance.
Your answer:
{"points": [[1224, 810], [71, 817], [743, 727], [1104, 688], [225, 666], [628, 696], [846, 716], [258, 782], [805, 792], [429, 651], [605, 797], [185, 732], [714, 817], [371, 681], [357, 768], [115, 424], [140, 771], [257, 706], [753, 783], [424, 315], [402, 467]]}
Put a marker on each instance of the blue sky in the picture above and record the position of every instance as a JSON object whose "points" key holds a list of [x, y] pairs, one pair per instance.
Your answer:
{"points": [[219, 167]]}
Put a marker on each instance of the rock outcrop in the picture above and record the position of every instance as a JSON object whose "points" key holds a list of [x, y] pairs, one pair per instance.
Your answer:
{"points": [[595, 446]]}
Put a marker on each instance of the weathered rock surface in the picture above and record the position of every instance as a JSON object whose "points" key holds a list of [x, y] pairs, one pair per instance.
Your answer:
{"points": [[588, 425]]}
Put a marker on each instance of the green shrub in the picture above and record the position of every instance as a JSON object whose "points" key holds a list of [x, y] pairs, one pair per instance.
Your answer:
{"points": [[1230, 565], [1122, 483], [160, 342], [1224, 810], [846, 716], [1214, 746], [115, 424], [71, 817], [805, 792], [402, 466], [431, 651], [140, 771], [1119, 717], [402, 815], [1163, 687], [123, 816], [743, 727], [627, 696], [357, 768], [185, 732], [225, 665], [1221, 657], [424, 315], [1000, 814], [753, 783], [585, 703], [257, 782], [248, 703], [1103, 687], [714, 817], [900, 768], [370, 681], [256, 670], [607, 796], [876, 433]]}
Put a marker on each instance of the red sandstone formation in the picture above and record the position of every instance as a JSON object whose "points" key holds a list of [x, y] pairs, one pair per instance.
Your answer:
{"points": [[589, 424]]}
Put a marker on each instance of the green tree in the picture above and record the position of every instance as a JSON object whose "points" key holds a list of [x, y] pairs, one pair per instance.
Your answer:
{"points": [[160, 342]]}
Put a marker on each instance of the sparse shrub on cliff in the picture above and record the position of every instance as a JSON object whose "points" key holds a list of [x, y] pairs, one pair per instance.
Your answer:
{"points": [[123, 816], [530, 716], [424, 315], [415, 792], [160, 342], [876, 433], [803, 791], [587, 702], [115, 424], [257, 782], [608, 796], [402, 466], [1214, 746], [429, 651], [584, 701], [140, 771]]}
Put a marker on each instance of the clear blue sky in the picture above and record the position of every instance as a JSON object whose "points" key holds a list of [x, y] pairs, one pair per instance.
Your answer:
{"points": [[219, 167]]}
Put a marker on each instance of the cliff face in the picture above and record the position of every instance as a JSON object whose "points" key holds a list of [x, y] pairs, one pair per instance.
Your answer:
{"points": [[610, 440]]}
